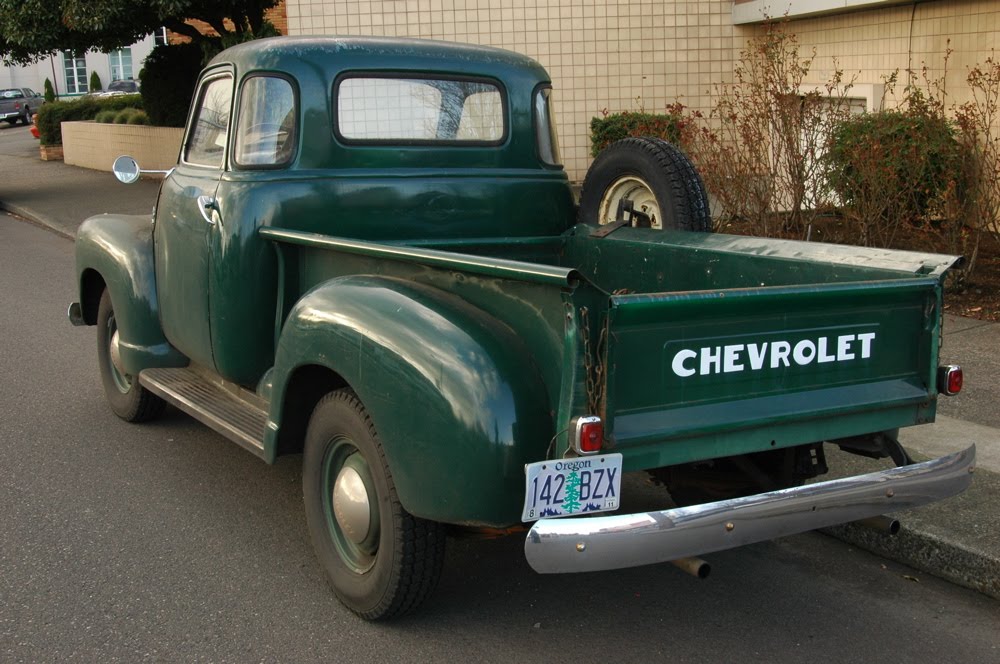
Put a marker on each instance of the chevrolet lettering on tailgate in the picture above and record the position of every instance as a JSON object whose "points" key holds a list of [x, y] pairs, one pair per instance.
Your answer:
{"points": [[733, 358]]}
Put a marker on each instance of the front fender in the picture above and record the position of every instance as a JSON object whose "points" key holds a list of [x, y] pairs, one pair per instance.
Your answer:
{"points": [[116, 251], [454, 395]]}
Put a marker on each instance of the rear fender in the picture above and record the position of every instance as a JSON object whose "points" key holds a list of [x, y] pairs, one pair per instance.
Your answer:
{"points": [[116, 252], [455, 397]]}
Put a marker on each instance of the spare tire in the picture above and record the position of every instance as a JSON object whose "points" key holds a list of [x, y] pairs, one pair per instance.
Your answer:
{"points": [[651, 176]]}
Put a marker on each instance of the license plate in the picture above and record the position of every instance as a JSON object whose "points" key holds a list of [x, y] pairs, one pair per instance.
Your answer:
{"points": [[563, 487]]}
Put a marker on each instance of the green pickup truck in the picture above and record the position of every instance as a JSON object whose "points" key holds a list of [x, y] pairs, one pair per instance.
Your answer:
{"points": [[368, 253]]}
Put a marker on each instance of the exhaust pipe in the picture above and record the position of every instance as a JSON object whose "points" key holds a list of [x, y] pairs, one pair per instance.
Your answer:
{"points": [[693, 566], [882, 524]]}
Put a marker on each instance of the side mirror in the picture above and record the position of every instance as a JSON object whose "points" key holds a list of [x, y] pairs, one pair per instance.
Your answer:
{"points": [[126, 169]]}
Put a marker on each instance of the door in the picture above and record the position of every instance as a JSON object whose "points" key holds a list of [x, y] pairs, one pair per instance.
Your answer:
{"points": [[188, 221]]}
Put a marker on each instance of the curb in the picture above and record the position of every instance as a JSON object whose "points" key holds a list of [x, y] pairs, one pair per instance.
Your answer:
{"points": [[940, 557], [956, 539], [33, 217]]}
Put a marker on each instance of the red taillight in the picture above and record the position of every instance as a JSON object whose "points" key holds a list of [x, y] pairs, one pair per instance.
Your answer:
{"points": [[950, 380], [589, 434]]}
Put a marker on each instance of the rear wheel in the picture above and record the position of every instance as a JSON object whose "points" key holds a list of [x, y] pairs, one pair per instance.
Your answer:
{"points": [[650, 178], [128, 399], [380, 560], [27, 116]]}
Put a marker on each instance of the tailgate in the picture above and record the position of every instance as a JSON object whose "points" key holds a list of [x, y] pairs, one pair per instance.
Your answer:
{"points": [[743, 370]]}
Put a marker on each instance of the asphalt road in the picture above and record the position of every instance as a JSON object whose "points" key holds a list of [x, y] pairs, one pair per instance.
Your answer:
{"points": [[166, 542]]}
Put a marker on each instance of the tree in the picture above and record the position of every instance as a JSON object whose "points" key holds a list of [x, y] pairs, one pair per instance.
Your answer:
{"points": [[95, 82], [31, 29], [571, 498]]}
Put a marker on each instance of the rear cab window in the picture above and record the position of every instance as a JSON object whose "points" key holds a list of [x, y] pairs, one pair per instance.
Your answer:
{"points": [[404, 110]]}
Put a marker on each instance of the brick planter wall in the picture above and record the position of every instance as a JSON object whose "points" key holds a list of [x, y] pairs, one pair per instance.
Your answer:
{"points": [[97, 145], [50, 152]]}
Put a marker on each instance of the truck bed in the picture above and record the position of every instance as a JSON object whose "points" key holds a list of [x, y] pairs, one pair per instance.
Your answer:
{"points": [[706, 345]]}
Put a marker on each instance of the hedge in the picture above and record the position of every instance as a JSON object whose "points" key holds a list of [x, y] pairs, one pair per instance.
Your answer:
{"points": [[52, 115], [168, 78], [615, 126], [915, 152]]}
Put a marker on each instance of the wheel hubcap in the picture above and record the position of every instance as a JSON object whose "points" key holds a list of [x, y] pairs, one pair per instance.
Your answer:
{"points": [[122, 380], [351, 505], [116, 353], [631, 188]]}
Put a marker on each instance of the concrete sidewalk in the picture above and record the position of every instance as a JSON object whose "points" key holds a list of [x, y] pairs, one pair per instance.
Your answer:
{"points": [[958, 539]]}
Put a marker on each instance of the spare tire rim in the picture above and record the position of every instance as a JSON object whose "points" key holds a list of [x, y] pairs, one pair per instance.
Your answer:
{"points": [[635, 189]]}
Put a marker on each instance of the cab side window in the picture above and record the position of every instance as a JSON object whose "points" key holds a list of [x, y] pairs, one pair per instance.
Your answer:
{"points": [[207, 137], [267, 128]]}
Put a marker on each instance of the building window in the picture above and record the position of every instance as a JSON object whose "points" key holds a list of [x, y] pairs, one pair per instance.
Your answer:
{"points": [[121, 64], [76, 72], [160, 37]]}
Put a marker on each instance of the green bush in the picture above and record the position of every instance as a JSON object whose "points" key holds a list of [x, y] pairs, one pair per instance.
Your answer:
{"points": [[50, 116], [138, 118], [911, 156], [106, 117], [95, 82], [615, 126], [168, 78], [50, 92]]}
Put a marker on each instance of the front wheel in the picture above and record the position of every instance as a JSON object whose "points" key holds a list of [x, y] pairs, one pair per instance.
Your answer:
{"points": [[380, 560], [128, 399]]}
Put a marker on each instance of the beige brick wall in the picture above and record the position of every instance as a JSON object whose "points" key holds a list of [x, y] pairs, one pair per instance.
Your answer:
{"points": [[633, 54], [601, 55], [873, 43], [97, 145]]}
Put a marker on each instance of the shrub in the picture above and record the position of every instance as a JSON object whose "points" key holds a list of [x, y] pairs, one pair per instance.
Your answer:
{"points": [[138, 117], [95, 82], [105, 117], [50, 92], [890, 167], [759, 150], [168, 78], [615, 126], [50, 116], [979, 134]]}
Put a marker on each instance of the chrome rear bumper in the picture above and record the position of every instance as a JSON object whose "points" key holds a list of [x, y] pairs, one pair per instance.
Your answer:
{"points": [[628, 540]]}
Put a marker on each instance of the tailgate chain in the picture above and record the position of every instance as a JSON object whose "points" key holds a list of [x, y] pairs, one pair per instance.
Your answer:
{"points": [[593, 364]]}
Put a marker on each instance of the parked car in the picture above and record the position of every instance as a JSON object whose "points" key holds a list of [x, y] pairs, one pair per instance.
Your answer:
{"points": [[18, 104], [369, 253], [126, 86]]}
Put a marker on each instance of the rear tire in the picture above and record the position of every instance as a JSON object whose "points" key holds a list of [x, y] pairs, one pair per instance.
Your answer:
{"points": [[652, 174], [380, 560], [128, 399]]}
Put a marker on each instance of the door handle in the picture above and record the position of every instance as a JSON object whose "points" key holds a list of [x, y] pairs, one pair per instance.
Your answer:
{"points": [[209, 208]]}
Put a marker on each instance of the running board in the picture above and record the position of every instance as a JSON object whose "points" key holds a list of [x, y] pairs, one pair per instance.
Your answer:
{"points": [[233, 411]]}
